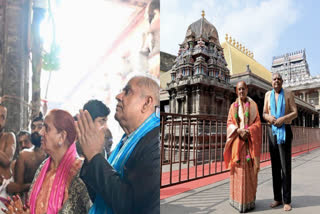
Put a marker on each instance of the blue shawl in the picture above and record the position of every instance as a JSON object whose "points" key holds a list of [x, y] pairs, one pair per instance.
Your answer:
{"points": [[120, 155], [278, 111]]}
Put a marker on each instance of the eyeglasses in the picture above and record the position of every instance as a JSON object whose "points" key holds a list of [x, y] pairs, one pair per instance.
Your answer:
{"points": [[157, 110]]}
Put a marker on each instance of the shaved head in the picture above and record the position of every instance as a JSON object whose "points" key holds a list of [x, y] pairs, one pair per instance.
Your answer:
{"points": [[276, 75], [241, 83], [277, 82], [242, 90]]}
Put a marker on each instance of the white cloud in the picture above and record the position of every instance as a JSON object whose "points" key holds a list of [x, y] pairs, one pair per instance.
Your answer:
{"points": [[256, 24]]}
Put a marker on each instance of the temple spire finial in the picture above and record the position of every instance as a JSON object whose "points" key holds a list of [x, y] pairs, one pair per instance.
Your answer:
{"points": [[202, 13]]}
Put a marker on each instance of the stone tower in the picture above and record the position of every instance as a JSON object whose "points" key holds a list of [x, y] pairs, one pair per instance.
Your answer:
{"points": [[293, 67], [200, 80]]}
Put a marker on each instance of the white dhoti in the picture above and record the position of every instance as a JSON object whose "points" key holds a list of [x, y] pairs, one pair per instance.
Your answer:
{"points": [[3, 192]]}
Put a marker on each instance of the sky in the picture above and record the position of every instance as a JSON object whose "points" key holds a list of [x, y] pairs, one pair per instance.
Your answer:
{"points": [[84, 37], [267, 28], [85, 33]]}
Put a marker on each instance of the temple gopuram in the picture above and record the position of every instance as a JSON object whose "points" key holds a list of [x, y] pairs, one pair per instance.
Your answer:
{"points": [[200, 79], [295, 72]]}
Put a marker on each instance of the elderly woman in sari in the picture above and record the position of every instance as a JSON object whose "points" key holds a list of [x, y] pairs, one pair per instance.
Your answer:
{"points": [[242, 150], [56, 187]]}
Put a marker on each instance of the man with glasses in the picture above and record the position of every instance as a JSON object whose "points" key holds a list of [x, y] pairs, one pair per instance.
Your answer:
{"points": [[279, 110], [129, 182]]}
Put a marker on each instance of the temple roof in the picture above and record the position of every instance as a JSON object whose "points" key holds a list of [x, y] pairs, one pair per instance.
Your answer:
{"points": [[237, 62], [202, 29]]}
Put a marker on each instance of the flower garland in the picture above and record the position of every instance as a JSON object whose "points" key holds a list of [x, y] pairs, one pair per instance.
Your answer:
{"points": [[246, 121]]}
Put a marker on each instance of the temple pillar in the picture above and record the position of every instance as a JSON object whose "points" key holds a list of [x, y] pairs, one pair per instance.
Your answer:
{"points": [[176, 106], [173, 103], [212, 102], [304, 96], [14, 63], [198, 100], [215, 107], [225, 107], [205, 100], [200, 104], [186, 103], [223, 103], [193, 100], [228, 103]]}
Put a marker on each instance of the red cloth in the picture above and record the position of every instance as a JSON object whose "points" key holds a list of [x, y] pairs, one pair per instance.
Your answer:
{"points": [[234, 144], [59, 183]]}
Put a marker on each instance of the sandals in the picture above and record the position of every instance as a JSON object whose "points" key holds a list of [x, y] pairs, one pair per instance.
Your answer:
{"points": [[275, 204], [286, 207]]}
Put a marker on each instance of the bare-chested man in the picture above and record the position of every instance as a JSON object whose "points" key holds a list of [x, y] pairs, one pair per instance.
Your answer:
{"points": [[24, 142], [7, 149], [27, 164]]}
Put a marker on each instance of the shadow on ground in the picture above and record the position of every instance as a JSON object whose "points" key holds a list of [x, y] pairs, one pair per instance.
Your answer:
{"points": [[305, 201], [177, 209]]}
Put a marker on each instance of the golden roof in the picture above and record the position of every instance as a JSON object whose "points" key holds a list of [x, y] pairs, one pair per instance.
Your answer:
{"points": [[239, 58]]}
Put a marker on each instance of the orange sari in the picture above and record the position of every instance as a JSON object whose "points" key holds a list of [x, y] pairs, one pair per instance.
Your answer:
{"points": [[42, 202], [243, 181]]}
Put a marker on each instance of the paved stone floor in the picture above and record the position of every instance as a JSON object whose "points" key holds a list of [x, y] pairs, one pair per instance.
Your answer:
{"points": [[214, 198]]}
